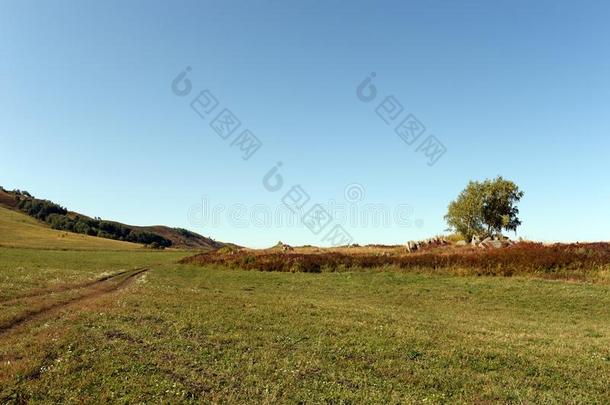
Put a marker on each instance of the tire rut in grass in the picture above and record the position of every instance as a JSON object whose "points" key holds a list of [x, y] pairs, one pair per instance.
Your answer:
{"points": [[64, 288], [98, 288]]}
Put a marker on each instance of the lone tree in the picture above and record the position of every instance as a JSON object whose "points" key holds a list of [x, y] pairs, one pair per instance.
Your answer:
{"points": [[485, 208]]}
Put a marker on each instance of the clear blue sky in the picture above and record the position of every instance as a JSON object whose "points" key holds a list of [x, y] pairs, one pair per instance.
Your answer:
{"points": [[513, 88]]}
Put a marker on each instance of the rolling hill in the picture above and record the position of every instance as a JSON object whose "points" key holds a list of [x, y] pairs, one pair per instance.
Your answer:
{"points": [[14, 218], [22, 231]]}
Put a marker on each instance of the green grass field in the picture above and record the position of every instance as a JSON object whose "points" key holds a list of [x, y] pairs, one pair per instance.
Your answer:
{"points": [[187, 333], [95, 325]]}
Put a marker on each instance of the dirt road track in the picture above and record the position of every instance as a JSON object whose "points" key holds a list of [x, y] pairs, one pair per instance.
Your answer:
{"points": [[90, 290], [62, 288]]}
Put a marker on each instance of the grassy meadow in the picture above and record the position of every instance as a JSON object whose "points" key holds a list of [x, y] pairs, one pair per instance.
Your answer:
{"points": [[186, 333], [96, 320]]}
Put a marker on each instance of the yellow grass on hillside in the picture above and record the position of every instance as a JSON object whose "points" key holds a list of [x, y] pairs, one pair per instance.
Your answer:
{"points": [[20, 230]]}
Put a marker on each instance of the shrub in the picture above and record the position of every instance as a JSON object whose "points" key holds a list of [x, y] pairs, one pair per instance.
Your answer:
{"points": [[186, 233], [556, 261], [82, 227], [40, 209], [146, 238]]}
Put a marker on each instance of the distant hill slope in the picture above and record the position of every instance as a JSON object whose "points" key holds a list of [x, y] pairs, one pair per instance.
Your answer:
{"points": [[181, 238], [61, 219], [20, 230]]}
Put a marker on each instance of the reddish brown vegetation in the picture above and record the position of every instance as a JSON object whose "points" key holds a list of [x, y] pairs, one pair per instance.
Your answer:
{"points": [[572, 261]]}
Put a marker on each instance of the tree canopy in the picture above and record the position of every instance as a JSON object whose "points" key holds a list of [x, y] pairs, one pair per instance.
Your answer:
{"points": [[58, 218], [485, 208]]}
